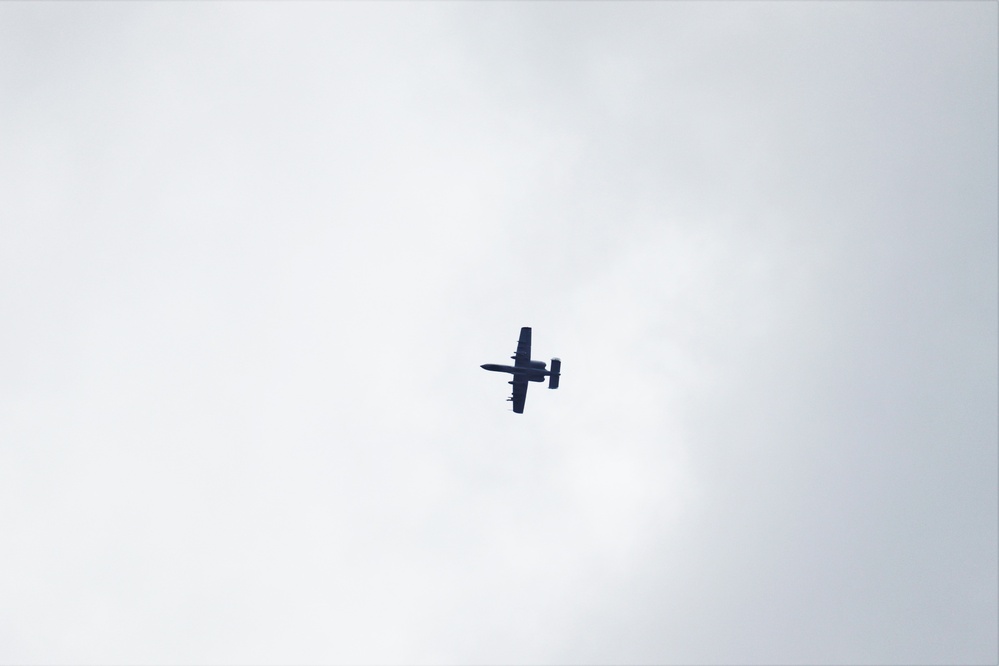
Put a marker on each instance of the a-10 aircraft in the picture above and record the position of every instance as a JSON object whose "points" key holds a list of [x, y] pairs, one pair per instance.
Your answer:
{"points": [[525, 370]]}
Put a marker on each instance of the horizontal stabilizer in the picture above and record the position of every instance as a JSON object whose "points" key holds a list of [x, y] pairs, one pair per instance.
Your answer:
{"points": [[556, 371]]}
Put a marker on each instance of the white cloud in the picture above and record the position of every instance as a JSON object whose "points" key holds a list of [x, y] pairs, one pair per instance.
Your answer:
{"points": [[254, 256]]}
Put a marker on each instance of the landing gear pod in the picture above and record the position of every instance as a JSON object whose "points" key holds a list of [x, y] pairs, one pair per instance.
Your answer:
{"points": [[555, 371]]}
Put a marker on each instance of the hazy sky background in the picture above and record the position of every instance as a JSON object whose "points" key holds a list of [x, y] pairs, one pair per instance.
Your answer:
{"points": [[253, 255]]}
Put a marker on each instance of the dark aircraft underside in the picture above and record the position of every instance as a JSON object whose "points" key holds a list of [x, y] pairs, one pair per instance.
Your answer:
{"points": [[525, 370]]}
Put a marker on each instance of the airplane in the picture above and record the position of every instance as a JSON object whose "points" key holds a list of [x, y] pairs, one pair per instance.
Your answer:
{"points": [[525, 370]]}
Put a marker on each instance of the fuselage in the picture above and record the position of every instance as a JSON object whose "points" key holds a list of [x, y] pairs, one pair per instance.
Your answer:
{"points": [[535, 371]]}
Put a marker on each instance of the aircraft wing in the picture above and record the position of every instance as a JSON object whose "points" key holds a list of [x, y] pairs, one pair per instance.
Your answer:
{"points": [[520, 389], [523, 355]]}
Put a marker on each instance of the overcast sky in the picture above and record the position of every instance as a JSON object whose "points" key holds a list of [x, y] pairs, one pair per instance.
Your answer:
{"points": [[252, 257]]}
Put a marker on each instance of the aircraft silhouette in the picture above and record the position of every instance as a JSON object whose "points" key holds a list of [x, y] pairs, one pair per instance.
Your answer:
{"points": [[525, 370]]}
